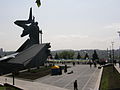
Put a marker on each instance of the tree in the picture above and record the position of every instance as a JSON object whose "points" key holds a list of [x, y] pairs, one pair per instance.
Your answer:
{"points": [[95, 56], [66, 55], [56, 56], [86, 56], [78, 56]]}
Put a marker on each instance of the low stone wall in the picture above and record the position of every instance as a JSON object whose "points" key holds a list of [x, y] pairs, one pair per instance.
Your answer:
{"points": [[9, 86]]}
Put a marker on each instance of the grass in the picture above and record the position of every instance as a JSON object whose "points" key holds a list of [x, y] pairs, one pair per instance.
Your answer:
{"points": [[10, 88], [110, 79], [35, 73], [2, 88], [7, 88]]}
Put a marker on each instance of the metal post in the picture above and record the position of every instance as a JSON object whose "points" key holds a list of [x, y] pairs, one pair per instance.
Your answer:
{"points": [[110, 55], [41, 35], [119, 46], [112, 52], [107, 55], [113, 56], [13, 78]]}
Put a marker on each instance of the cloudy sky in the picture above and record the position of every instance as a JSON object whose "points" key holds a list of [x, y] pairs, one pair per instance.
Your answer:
{"points": [[66, 24]]}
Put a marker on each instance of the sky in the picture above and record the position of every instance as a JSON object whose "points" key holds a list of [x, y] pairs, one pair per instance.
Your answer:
{"points": [[66, 24]]}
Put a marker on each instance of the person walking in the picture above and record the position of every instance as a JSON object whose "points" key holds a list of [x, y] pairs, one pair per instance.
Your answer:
{"points": [[90, 64], [65, 69], [73, 63], [75, 85], [119, 63]]}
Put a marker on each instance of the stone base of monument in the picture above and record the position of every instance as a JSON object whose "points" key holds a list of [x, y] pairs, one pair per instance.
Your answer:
{"points": [[33, 56]]}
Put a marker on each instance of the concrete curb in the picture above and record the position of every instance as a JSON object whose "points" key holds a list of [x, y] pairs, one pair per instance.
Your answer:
{"points": [[99, 80], [117, 68]]}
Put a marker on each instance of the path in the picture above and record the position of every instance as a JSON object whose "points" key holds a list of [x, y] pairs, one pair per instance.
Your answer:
{"points": [[87, 78]]}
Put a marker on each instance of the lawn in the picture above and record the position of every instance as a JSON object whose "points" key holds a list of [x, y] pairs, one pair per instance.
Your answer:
{"points": [[2, 88], [35, 73], [110, 79], [7, 88]]}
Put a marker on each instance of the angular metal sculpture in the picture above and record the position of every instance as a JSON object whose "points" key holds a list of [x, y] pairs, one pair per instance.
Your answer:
{"points": [[32, 29], [31, 53]]}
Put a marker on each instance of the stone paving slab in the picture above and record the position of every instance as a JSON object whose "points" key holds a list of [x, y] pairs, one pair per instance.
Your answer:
{"points": [[87, 78], [27, 85]]}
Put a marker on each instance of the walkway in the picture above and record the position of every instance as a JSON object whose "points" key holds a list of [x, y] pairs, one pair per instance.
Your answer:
{"points": [[87, 80], [86, 77], [27, 85]]}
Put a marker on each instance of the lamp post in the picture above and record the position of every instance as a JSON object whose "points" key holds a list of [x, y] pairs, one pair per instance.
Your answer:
{"points": [[119, 46], [107, 55], [13, 75], [112, 52], [41, 35], [112, 56]]}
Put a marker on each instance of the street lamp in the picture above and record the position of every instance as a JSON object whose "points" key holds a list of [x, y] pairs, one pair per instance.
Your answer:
{"points": [[119, 46], [112, 52], [110, 55], [41, 35]]}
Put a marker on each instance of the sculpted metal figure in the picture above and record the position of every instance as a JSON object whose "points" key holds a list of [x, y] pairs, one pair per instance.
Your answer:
{"points": [[30, 28]]}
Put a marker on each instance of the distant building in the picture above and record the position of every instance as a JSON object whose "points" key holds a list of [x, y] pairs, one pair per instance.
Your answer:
{"points": [[1, 52]]}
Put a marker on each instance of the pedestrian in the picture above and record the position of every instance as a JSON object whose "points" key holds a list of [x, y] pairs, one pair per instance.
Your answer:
{"points": [[73, 63], [75, 85], [65, 69], [90, 64], [119, 63]]}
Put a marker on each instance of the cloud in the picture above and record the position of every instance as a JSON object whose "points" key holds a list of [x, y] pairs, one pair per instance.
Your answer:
{"points": [[75, 41], [113, 26], [72, 36]]}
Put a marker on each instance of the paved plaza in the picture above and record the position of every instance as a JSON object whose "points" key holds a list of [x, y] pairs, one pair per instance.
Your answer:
{"points": [[28, 85], [86, 77]]}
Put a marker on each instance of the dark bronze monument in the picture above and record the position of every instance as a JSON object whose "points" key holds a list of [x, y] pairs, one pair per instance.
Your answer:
{"points": [[31, 53], [30, 27]]}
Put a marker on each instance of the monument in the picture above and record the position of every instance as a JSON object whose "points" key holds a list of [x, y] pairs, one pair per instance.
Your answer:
{"points": [[31, 53], [30, 28]]}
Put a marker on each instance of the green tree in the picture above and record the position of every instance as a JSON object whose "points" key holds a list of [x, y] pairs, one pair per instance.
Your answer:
{"points": [[66, 55], [78, 56], [56, 56]]}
